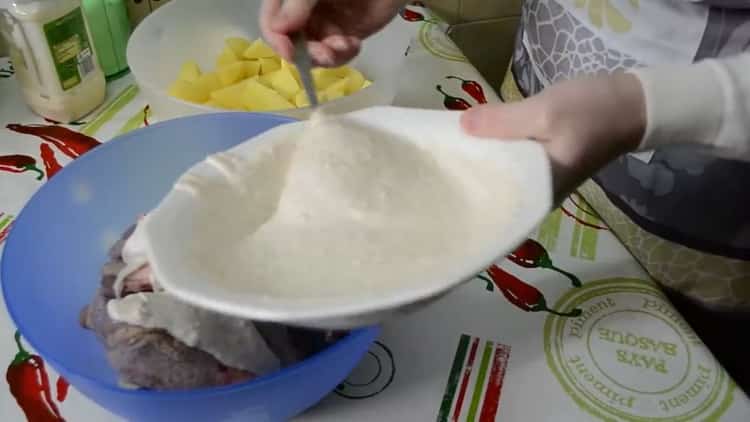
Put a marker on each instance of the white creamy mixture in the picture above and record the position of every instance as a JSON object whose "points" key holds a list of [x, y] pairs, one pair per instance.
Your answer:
{"points": [[134, 256], [341, 210], [234, 342]]}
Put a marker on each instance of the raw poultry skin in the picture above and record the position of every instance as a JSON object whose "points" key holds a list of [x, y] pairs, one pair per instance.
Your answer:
{"points": [[152, 358]]}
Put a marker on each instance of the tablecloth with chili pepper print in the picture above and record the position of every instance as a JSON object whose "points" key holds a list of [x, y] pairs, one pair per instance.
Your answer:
{"points": [[568, 328]]}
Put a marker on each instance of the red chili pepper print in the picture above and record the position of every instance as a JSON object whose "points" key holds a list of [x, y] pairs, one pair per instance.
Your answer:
{"points": [[6, 221], [29, 385], [577, 204], [524, 296], [531, 254], [453, 103], [18, 163], [410, 15], [69, 142], [585, 211], [62, 388], [51, 166], [488, 283], [146, 111], [55, 122], [580, 220], [472, 88], [414, 16]]}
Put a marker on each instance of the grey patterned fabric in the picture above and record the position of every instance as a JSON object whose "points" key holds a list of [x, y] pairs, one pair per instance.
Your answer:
{"points": [[727, 32], [684, 195], [564, 48]]}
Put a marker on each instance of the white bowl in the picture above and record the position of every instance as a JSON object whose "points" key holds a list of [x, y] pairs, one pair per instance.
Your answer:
{"points": [[169, 228], [196, 29]]}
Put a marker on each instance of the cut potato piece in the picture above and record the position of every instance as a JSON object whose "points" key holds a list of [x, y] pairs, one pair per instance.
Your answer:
{"points": [[251, 76], [356, 80], [284, 83], [189, 72], [258, 97], [340, 85], [188, 91], [322, 97], [238, 45], [322, 78], [252, 68], [258, 50], [333, 92], [230, 97], [269, 64], [232, 73], [265, 80], [208, 82], [343, 71], [226, 57], [292, 68], [301, 100]]}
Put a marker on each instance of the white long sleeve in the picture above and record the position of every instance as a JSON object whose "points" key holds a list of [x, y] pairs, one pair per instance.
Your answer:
{"points": [[706, 103]]}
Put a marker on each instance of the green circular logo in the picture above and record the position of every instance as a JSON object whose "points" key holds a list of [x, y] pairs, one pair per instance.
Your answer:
{"points": [[630, 356], [435, 40]]}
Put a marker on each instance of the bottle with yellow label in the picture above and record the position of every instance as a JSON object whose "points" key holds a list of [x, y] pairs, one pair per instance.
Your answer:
{"points": [[54, 58]]}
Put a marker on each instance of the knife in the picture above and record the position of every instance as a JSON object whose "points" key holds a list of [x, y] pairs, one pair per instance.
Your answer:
{"points": [[304, 65]]}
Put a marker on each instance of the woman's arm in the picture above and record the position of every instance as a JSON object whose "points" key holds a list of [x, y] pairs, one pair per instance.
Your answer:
{"points": [[707, 103], [586, 123]]}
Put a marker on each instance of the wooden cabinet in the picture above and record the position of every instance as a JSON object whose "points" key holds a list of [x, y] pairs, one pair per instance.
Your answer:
{"points": [[139, 9]]}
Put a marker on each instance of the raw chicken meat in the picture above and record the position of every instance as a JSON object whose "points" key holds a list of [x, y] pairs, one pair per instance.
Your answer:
{"points": [[152, 358]]}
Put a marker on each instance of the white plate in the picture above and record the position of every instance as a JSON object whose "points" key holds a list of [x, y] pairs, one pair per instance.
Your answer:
{"points": [[168, 229], [196, 29]]}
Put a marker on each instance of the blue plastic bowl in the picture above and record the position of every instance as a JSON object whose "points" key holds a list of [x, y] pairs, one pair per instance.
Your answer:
{"points": [[53, 257]]}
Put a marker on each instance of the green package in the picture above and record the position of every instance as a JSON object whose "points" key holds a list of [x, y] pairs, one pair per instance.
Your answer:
{"points": [[70, 47]]}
